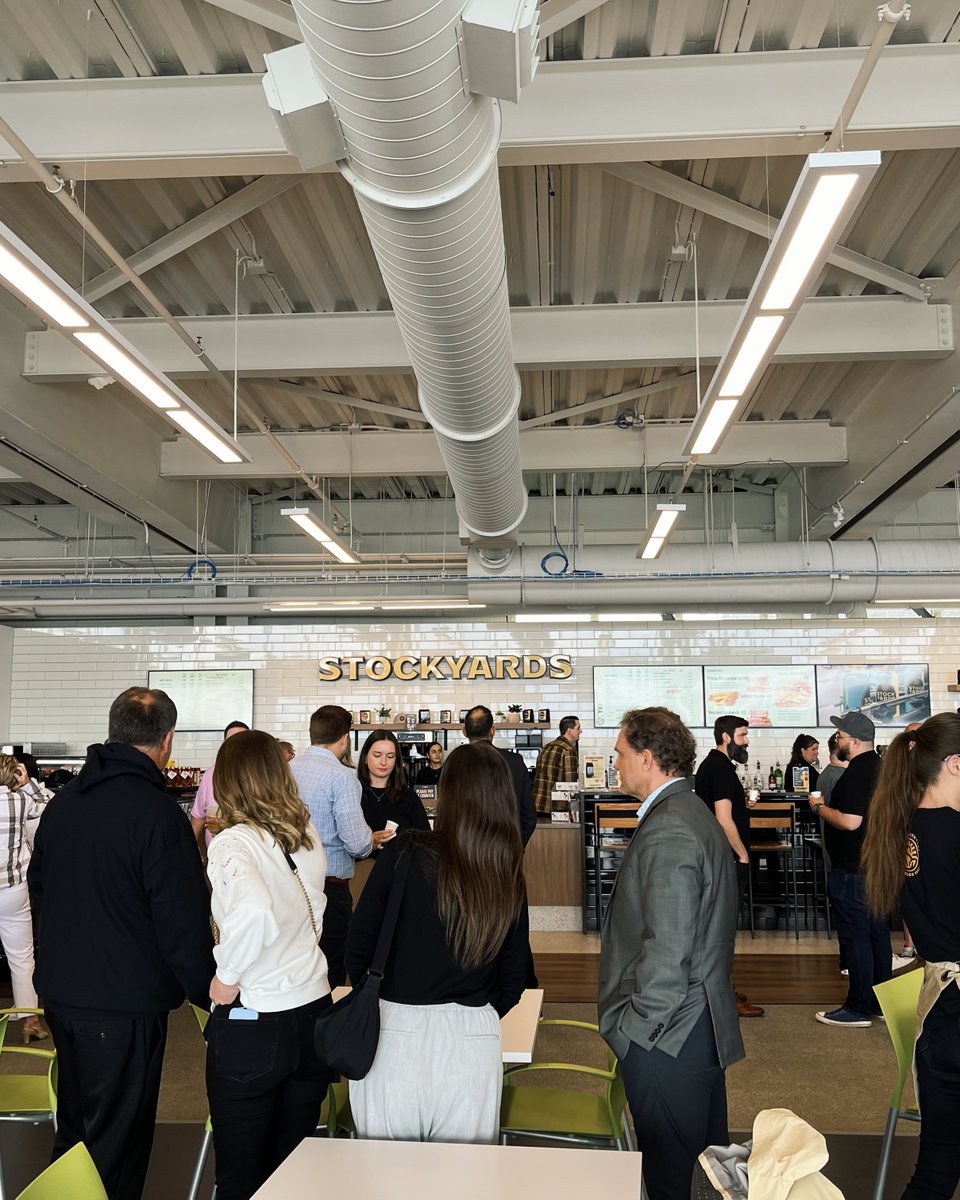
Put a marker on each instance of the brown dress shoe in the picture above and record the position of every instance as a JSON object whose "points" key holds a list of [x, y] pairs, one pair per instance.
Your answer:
{"points": [[746, 1009]]}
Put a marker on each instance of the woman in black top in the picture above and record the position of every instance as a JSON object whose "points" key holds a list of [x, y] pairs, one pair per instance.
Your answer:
{"points": [[429, 773], [457, 963], [803, 754], [911, 856], [386, 794]]}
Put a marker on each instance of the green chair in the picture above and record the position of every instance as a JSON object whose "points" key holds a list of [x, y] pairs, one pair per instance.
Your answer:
{"points": [[202, 1015], [30, 1098], [556, 1114], [898, 999], [335, 1114], [73, 1175]]}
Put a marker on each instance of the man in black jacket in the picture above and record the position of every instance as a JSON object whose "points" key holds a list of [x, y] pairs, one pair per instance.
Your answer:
{"points": [[122, 911], [478, 727]]}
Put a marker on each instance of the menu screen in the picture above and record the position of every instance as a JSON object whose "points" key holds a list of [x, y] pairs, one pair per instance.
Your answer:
{"points": [[775, 697], [888, 693], [207, 699], [616, 689]]}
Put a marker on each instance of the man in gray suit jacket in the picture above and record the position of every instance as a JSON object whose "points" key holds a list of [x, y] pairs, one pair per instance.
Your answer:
{"points": [[666, 1002]]}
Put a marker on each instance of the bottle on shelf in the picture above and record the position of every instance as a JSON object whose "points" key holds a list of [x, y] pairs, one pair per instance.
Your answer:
{"points": [[778, 777], [757, 777], [613, 776], [771, 781]]}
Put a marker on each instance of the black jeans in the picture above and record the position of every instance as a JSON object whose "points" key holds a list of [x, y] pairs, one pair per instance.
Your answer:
{"points": [[865, 940], [265, 1085], [938, 1077], [679, 1107], [109, 1083], [336, 925]]}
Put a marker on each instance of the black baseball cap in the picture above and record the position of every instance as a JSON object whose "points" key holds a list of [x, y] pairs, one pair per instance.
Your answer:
{"points": [[856, 724]]}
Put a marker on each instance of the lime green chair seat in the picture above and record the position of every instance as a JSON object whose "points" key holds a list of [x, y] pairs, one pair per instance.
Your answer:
{"points": [[898, 999], [558, 1114], [28, 1097], [335, 1114], [73, 1175]]}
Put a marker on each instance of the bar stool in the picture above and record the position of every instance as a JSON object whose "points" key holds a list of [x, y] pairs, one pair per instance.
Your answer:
{"points": [[613, 827], [778, 823]]}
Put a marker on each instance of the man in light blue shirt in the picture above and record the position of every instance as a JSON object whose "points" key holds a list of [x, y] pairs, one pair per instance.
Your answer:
{"points": [[331, 791]]}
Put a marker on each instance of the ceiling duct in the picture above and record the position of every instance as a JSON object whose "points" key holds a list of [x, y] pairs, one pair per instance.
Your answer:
{"points": [[421, 156], [816, 573]]}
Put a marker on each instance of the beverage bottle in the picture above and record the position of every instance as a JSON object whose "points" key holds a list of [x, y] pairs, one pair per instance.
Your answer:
{"points": [[758, 778], [778, 777], [772, 781]]}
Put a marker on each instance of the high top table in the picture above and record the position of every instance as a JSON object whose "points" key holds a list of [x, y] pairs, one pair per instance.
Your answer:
{"points": [[518, 1029], [373, 1170]]}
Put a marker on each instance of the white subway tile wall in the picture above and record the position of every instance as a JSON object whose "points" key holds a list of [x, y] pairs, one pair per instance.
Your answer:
{"points": [[62, 681]]}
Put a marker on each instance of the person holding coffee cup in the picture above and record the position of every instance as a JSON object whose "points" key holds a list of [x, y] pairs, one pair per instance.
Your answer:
{"points": [[387, 800]]}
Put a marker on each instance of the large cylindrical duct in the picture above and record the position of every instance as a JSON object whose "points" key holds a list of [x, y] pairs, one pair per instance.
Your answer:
{"points": [[422, 159], [758, 573]]}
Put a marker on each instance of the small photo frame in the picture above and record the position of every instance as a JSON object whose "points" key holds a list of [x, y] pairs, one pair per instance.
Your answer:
{"points": [[446, 716], [364, 716], [526, 716], [463, 713], [543, 716], [423, 716]]}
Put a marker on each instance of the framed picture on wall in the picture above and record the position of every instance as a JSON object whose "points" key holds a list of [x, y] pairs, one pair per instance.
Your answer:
{"points": [[446, 716], [893, 694]]}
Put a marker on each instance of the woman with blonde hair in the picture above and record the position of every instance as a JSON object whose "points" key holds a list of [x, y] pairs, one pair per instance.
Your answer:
{"points": [[20, 801], [457, 963], [911, 857], [267, 868]]}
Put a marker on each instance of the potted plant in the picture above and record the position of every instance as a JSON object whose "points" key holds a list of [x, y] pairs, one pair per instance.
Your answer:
{"points": [[500, 714], [383, 712], [513, 716]]}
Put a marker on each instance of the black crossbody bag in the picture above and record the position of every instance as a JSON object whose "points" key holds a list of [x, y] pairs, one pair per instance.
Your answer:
{"points": [[346, 1035]]}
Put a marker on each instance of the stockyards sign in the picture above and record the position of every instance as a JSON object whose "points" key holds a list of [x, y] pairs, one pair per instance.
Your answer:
{"points": [[410, 667]]}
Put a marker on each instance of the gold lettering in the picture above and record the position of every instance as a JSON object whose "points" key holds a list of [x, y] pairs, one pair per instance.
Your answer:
{"points": [[353, 664], [456, 665], [379, 667], [430, 667], [330, 669], [560, 666], [534, 666], [479, 668], [405, 667], [511, 664]]}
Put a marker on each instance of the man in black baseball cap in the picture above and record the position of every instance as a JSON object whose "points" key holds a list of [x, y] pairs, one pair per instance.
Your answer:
{"points": [[866, 941]]}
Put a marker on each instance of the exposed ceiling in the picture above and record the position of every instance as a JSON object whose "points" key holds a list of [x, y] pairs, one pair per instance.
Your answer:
{"points": [[648, 125]]}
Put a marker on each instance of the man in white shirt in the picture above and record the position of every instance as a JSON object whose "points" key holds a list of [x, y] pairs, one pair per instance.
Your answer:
{"points": [[332, 791]]}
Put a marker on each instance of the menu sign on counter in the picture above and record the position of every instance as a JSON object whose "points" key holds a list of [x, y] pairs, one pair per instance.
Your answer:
{"points": [[775, 696], [616, 689], [889, 693]]}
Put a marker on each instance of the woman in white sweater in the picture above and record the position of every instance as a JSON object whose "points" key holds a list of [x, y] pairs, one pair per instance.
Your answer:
{"points": [[264, 1081]]}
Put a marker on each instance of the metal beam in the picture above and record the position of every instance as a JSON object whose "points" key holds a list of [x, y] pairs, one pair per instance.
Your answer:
{"points": [[559, 338], [217, 217], [616, 110], [694, 195], [412, 452], [557, 14], [314, 393], [628, 397], [271, 14]]}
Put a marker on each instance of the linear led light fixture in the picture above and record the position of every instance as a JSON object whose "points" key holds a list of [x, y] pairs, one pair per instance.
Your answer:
{"points": [[632, 617], [321, 533], [562, 618], [830, 187], [656, 536], [36, 283]]}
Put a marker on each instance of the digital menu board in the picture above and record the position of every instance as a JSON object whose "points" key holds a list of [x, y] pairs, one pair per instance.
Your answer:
{"points": [[888, 693], [775, 697], [619, 688], [207, 699]]}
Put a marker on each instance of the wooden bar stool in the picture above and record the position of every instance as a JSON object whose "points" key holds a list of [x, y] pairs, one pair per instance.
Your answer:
{"points": [[777, 825]]}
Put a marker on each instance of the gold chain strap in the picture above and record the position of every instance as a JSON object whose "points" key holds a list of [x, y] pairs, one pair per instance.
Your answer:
{"points": [[296, 875]]}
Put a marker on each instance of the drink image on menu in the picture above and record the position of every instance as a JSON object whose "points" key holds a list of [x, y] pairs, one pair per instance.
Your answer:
{"points": [[888, 693]]}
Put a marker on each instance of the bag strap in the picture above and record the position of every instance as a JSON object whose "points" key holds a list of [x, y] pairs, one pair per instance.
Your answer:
{"points": [[296, 874], [389, 925]]}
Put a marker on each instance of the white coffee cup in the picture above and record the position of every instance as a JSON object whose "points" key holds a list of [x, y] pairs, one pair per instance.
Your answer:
{"points": [[391, 828]]}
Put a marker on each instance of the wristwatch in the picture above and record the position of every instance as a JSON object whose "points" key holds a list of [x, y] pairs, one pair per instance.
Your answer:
{"points": [[815, 808]]}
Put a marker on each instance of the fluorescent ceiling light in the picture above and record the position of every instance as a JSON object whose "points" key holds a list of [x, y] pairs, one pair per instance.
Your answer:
{"points": [[321, 533], [38, 293], [911, 603], [317, 605], [423, 605], [829, 188], [714, 426], [751, 354], [107, 351], [563, 618], [658, 533], [630, 616], [207, 437], [891, 613], [724, 616], [813, 229]]}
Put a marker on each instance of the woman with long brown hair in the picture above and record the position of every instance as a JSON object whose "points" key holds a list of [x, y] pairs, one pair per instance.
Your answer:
{"points": [[457, 963], [387, 795], [267, 868], [911, 856]]}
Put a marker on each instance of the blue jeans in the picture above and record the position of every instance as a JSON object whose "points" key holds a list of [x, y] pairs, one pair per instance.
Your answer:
{"points": [[865, 940]]}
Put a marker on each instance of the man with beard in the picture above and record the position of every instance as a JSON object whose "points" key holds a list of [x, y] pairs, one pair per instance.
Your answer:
{"points": [[719, 787]]}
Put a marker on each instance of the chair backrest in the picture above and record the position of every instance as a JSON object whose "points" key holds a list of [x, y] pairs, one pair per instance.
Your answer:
{"points": [[202, 1016], [898, 999], [73, 1175]]}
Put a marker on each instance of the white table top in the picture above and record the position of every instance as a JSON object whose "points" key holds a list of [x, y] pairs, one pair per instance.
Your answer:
{"points": [[371, 1170], [518, 1029]]}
